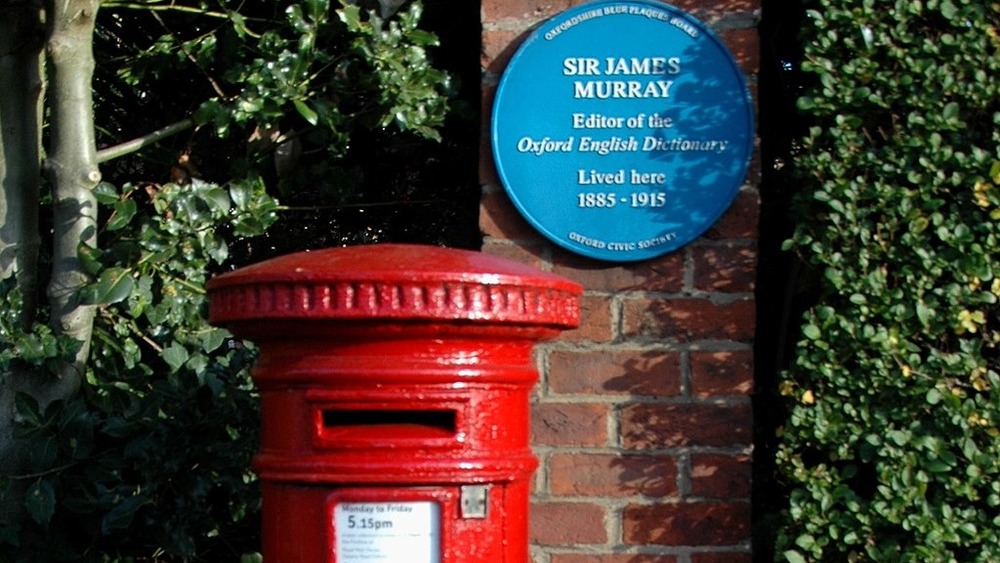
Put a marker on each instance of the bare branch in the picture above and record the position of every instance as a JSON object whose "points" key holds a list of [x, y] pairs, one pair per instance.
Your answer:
{"points": [[166, 7], [122, 149]]}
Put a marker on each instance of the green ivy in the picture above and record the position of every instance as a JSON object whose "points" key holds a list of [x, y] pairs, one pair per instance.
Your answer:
{"points": [[406, 82], [891, 450], [151, 461], [336, 69]]}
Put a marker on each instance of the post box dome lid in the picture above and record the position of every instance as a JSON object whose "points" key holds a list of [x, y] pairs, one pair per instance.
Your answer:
{"points": [[402, 281]]}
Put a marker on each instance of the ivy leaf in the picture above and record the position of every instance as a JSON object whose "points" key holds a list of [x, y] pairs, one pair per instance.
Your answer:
{"points": [[217, 198], [241, 193], [306, 112], [208, 110], [119, 517], [114, 285], [805, 541], [41, 501], [216, 247], [811, 332], [317, 8], [421, 37], [950, 112], [933, 397], [351, 16], [175, 355], [27, 410], [124, 211], [90, 258], [938, 466], [105, 193], [212, 339], [968, 529], [9, 532], [924, 313], [948, 9]]}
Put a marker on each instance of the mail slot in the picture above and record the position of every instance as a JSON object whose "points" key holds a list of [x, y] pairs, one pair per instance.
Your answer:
{"points": [[423, 425], [394, 383]]}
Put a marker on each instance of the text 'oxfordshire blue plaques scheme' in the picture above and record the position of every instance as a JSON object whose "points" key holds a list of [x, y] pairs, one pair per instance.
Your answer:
{"points": [[622, 130]]}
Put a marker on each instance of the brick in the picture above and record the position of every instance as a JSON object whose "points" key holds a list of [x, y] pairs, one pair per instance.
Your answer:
{"points": [[661, 274], [487, 168], [718, 529], [569, 424], [498, 46], [567, 523], [589, 474], [527, 10], [698, 524], [740, 220], [488, 175], [721, 557], [744, 44], [620, 372], [596, 324], [689, 319], [666, 425], [530, 10], [499, 218], [721, 373], [525, 253], [717, 6], [721, 476], [611, 558], [725, 269]]}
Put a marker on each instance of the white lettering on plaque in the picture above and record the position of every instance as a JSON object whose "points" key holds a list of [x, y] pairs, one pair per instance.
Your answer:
{"points": [[387, 532]]}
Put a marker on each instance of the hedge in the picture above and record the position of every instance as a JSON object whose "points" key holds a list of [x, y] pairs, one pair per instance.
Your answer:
{"points": [[891, 447]]}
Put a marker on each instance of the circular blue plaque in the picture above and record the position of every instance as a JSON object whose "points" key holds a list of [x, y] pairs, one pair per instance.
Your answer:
{"points": [[622, 130]]}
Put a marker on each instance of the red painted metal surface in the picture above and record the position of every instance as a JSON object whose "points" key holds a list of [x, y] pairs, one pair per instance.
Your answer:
{"points": [[394, 377]]}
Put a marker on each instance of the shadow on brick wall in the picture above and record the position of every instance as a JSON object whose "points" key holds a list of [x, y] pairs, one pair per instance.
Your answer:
{"points": [[681, 463]]}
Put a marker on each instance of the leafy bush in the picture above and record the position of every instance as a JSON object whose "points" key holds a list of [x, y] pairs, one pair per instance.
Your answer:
{"points": [[891, 450], [152, 459], [349, 116]]}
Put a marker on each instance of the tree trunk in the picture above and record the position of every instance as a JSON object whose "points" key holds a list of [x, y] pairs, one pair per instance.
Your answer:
{"points": [[21, 41], [71, 165], [72, 168], [20, 151]]}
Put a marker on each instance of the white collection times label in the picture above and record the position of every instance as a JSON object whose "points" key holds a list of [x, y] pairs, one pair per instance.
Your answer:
{"points": [[387, 532]]}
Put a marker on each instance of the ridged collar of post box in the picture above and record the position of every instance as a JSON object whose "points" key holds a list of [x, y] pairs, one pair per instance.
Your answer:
{"points": [[394, 281]]}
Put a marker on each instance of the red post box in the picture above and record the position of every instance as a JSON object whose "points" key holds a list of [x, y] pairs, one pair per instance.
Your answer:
{"points": [[394, 384]]}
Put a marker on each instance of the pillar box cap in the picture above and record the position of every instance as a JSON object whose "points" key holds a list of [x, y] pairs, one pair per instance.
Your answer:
{"points": [[402, 282]]}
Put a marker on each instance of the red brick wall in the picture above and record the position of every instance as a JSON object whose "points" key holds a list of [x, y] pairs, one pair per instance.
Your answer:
{"points": [[642, 421]]}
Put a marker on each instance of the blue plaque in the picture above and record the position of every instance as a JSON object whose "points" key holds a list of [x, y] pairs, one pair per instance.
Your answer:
{"points": [[622, 130]]}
